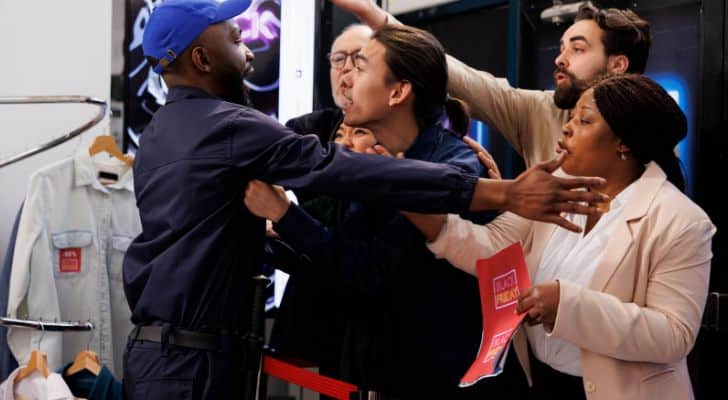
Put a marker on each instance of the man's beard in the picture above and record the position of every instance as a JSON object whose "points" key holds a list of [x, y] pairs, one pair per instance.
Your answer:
{"points": [[235, 89], [566, 96]]}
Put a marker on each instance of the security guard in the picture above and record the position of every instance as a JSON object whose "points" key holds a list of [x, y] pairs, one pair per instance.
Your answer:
{"points": [[187, 276]]}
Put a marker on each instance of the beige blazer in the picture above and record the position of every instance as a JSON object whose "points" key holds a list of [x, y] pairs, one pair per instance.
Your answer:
{"points": [[640, 315]]}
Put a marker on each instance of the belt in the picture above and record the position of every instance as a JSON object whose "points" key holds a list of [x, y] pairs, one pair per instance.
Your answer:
{"points": [[190, 339]]}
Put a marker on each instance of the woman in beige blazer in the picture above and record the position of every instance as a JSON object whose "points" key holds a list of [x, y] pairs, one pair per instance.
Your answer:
{"points": [[614, 311]]}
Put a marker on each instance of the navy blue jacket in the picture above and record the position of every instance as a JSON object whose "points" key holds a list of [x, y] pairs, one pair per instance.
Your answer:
{"points": [[86, 385], [417, 327], [191, 265]]}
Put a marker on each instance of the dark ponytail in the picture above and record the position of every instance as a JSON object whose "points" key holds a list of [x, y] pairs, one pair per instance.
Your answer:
{"points": [[416, 56], [647, 119], [672, 166], [458, 114]]}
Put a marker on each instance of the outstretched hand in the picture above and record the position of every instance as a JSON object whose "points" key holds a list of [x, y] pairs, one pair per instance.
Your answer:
{"points": [[537, 194], [366, 10]]}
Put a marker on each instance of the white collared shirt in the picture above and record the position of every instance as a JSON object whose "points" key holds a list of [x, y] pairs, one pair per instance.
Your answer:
{"points": [[573, 257], [67, 265], [35, 387]]}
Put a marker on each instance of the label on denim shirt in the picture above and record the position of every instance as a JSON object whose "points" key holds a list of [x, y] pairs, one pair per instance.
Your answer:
{"points": [[70, 260]]}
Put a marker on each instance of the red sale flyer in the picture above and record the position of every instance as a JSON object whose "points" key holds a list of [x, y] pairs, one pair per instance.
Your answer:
{"points": [[502, 278]]}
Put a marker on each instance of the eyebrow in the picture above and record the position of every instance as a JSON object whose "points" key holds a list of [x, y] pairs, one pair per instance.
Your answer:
{"points": [[361, 57], [575, 38], [342, 51]]}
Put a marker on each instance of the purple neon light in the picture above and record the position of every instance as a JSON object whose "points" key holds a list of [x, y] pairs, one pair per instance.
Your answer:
{"points": [[258, 28]]}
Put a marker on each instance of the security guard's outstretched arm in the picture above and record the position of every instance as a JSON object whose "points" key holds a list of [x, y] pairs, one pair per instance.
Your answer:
{"points": [[187, 275]]}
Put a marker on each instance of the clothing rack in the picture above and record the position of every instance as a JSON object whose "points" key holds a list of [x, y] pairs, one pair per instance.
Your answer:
{"points": [[56, 326], [101, 104]]}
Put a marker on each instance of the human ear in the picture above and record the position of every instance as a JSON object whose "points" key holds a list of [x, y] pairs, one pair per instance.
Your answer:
{"points": [[201, 59], [617, 64], [401, 92]]}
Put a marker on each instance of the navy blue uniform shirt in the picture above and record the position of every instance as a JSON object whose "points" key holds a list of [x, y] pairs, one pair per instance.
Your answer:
{"points": [[192, 264]]}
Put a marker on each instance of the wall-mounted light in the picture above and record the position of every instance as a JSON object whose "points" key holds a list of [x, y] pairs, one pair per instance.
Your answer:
{"points": [[561, 12]]}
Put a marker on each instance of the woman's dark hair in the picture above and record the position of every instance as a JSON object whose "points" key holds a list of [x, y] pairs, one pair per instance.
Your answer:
{"points": [[459, 115], [623, 33], [416, 56], [647, 119]]}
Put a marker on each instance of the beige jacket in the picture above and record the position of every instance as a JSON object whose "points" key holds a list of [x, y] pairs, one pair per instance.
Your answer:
{"points": [[639, 317], [528, 119]]}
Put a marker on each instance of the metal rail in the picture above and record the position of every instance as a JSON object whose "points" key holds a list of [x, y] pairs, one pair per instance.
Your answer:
{"points": [[102, 104], [62, 326]]}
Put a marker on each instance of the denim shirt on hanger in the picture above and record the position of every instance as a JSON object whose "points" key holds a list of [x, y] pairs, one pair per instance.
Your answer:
{"points": [[71, 242]]}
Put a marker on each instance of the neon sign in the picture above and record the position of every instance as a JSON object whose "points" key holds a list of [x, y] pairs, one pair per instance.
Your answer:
{"points": [[260, 29], [259, 25]]}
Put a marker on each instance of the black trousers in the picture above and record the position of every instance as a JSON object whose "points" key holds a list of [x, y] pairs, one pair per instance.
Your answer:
{"points": [[153, 372], [550, 384]]}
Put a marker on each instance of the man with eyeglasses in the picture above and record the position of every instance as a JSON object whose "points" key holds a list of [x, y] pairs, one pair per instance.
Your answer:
{"points": [[325, 122]]}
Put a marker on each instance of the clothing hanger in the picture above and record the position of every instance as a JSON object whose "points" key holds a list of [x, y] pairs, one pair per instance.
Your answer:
{"points": [[107, 144], [37, 362], [85, 360]]}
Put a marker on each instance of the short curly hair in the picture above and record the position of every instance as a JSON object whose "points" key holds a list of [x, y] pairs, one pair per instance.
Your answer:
{"points": [[625, 33]]}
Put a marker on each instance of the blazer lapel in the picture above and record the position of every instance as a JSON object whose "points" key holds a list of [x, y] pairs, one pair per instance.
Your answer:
{"points": [[622, 237], [617, 246], [541, 235]]}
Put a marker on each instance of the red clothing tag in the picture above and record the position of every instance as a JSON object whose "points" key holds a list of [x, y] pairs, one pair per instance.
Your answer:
{"points": [[70, 260]]}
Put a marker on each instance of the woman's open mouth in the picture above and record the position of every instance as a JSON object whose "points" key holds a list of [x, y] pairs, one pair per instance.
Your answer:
{"points": [[561, 148]]}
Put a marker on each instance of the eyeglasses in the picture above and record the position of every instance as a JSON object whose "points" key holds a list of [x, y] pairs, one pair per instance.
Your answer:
{"points": [[338, 59]]}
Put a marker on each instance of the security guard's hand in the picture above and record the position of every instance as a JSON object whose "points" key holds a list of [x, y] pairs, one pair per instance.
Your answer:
{"points": [[266, 201], [538, 195], [366, 10]]}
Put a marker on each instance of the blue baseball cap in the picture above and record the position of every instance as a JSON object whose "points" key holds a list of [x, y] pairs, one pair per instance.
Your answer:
{"points": [[176, 23]]}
